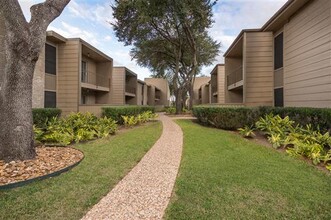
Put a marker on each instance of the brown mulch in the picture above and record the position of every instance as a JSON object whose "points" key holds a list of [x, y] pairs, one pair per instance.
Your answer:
{"points": [[48, 160]]}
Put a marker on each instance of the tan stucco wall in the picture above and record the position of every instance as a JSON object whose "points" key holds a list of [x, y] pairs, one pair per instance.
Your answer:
{"points": [[161, 84], [68, 94], [117, 86], [307, 56], [232, 64], [199, 81], [221, 84], [145, 94], [140, 94], [258, 69], [205, 95], [104, 74]]}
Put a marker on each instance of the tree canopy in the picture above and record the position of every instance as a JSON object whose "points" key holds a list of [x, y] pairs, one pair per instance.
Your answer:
{"points": [[169, 37]]}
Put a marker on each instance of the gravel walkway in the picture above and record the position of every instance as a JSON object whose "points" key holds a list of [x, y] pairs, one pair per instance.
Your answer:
{"points": [[145, 192]]}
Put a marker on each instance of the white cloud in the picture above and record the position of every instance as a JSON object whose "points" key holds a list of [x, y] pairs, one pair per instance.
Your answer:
{"points": [[101, 13], [70, 31], [108, 38]]}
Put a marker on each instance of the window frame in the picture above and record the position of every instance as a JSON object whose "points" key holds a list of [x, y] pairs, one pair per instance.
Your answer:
{"points": [[279, 64], [54, 104], [50, 65]]}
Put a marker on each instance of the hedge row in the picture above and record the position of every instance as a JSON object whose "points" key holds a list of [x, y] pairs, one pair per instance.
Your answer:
{"points": [[116, 112], [231, 118], [41, 115]]}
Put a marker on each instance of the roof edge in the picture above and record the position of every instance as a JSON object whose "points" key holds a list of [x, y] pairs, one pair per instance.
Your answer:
{"points": [[238, 38]]}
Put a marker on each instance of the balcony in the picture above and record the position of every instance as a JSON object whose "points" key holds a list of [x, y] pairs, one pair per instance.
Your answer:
{"points": [[95, 82], [214, 90], [157, 97], [235, 78], [130, 91]]}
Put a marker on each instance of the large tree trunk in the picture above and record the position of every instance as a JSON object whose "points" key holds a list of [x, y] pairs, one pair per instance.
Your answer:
{"points": [[20, 44], [191, 92], [179, 106], [16, 133]]}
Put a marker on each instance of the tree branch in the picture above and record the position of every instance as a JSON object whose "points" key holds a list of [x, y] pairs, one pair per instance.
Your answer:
{"points": [[43, 14], [16, 23]]}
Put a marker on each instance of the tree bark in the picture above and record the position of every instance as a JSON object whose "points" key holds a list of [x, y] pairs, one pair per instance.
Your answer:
{"points": [[16, 134], [179, 106], [20, 43]]}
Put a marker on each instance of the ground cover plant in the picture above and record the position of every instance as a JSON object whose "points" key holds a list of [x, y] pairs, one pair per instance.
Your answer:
{"points": [[226, 177], [170, 110], [42, 115], [75, 127], [116, 112], [130, 121], [70, 195], [298, 140]]}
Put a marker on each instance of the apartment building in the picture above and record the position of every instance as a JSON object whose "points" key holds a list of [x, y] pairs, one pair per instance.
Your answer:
{"points": [[158, 92], [201, 96], [124, 87], [71, 75], [217, 83], [287, 62], [204, 94], [142, 88]]}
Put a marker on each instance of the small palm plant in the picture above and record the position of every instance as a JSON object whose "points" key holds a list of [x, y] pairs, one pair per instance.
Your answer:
{"points": [[247, 131]]}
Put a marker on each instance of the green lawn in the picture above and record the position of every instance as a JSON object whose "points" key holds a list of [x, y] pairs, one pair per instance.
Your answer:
{"points": [[223, 176], [71, 194]]}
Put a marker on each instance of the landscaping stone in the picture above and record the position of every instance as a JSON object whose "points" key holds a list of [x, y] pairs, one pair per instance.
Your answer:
{"points": [[48, 160]]}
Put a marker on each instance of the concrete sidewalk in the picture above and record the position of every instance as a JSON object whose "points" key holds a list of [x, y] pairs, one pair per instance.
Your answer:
{"points": [[145, 192]]}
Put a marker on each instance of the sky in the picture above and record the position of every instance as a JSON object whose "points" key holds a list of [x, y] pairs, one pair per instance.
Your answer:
{"points": [[90, 20]]}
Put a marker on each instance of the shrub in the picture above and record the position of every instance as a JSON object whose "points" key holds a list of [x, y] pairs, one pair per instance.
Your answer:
{"points": [[170, 110], [319, 118], [130, 121], [247, 132], [229, 118], [237, 117], [116, 112], [276, 128], [75, 127], [42, 115], [299, 140]]}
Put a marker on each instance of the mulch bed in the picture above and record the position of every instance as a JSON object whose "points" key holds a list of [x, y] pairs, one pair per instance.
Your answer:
{"points": [[48, 160]]}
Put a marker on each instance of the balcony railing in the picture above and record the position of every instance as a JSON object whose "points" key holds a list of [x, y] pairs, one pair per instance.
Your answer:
{"points": [[95, 79], [130, 89], [235, 76]]}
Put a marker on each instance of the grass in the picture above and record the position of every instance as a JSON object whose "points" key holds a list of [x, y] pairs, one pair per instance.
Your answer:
{"points": [[223, 176], [70, 195]]}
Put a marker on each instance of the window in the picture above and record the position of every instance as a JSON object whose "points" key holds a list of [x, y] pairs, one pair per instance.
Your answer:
{"points": [[278, 51], [84, 71], [50, 99], [279, 97], [50, 59]]}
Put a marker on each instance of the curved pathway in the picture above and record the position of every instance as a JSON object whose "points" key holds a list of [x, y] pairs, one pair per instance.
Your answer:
{"points": [[145, 192]]}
